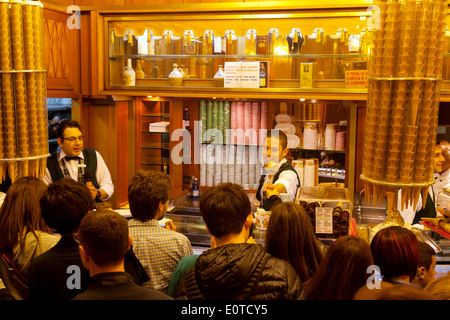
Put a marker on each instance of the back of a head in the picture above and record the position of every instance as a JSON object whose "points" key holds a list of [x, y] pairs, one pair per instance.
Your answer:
{"points": [[145, 191], [21, 211], [344, 266], [104, 236], [290, 236], [224, 209], [395, 251], [64, 204], [440, 288], [426, 253]]}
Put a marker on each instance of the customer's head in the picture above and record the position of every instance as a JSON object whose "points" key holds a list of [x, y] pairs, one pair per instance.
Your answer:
{"points": [[343, 270], [440, 287], [103, 238], [290, 236], [148, 195], [21, 212], [64, 204], [225, 209], [395, 251], [427, 262]]}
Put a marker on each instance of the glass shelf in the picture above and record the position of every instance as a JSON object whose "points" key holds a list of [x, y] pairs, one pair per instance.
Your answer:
{"points": [[238, 56]]}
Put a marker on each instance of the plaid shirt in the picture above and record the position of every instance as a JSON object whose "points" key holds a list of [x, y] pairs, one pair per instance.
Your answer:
{"points": [[159, 250]]}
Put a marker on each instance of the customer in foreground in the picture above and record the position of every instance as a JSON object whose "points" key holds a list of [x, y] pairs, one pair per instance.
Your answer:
{"points": [[235, 269], [104, 242]]}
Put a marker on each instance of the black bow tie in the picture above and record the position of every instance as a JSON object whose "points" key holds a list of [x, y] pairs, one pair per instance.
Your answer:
{"points": [[67, 158]]}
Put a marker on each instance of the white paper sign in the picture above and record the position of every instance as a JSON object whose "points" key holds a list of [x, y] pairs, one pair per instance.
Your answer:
{"points": [[241, 74], [324, 220]]}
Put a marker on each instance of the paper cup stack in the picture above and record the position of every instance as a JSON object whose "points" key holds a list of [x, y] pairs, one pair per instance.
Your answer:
{"points": [[24, 133], [403, 99]]}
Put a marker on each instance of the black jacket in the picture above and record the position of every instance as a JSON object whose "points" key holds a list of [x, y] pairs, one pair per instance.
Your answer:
{"points": [[225, 272]]}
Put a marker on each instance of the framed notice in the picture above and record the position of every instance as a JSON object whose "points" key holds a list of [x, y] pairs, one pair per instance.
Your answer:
{"points": [[324, 220], [241, 74], [356, 79]]}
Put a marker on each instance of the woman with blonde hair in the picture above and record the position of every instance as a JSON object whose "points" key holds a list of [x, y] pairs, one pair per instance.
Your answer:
{"points": [[23, 232], [290, 236]]}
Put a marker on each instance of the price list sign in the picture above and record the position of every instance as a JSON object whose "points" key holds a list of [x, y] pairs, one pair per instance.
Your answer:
{"points": [[324, 220]]}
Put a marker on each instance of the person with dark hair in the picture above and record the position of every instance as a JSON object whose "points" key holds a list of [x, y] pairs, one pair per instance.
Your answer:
{"points": [[278, 173], [72, 160], [24, 235], [159, 249], [395, 251], [290, 236], [54, 120], [104, 243], [63, 206], [342, 272], [234, 269], [427, 262]]}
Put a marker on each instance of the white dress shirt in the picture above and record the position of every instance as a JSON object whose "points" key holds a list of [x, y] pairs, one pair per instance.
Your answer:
{"points": [[288, 178], [101, 174]]}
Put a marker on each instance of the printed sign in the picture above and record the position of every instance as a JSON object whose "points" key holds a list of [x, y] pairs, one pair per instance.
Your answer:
{"points": [[241, 74], [356, 79], [324, 220]]}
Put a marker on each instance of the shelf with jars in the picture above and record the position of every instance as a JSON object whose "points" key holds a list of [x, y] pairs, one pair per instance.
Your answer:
{"points": [[158, 44]]}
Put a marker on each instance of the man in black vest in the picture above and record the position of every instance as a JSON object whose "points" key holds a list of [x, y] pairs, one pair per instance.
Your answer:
{"points": [[413, 215], [74, 161], [278, 173]]}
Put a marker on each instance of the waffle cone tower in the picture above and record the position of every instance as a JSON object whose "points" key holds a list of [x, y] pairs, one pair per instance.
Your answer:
{"points": [[403, 100], [23, 143]]}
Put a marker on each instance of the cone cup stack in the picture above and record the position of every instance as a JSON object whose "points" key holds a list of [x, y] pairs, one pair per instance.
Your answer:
{"points": [[22, 79], [402, 106]]}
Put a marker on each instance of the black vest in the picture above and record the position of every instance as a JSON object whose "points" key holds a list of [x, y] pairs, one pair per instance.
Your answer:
{"points": [[90, 160], [285, 166], [429, 211]]}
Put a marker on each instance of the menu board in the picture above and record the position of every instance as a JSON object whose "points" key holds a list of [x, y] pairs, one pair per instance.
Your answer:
{"points": [[241, 74], [324, 220]]}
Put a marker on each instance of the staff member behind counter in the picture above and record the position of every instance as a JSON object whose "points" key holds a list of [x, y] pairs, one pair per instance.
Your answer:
{"points": [[72, 161], [278, 173], [414, 215]]}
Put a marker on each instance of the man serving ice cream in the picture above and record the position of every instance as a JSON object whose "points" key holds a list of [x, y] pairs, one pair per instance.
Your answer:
{"points": [[278, 173]]}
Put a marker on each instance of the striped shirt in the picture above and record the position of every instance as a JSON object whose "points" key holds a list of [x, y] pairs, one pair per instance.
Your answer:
{"points": [[159, 250]]}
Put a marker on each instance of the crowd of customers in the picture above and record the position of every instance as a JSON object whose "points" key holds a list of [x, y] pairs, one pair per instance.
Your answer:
{"points": [[56, 246]]}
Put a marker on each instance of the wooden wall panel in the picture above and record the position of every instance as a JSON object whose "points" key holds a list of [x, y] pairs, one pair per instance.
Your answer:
{"points": [[62, 59]]}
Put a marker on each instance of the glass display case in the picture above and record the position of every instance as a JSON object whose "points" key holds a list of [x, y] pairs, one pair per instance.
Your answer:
{"points": [[330, 210], [294, 50]]}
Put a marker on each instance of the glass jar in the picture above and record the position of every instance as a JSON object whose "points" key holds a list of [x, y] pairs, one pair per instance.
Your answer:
{"points": [[219, 77], [129, 76], [175, 77], [139, 72]]}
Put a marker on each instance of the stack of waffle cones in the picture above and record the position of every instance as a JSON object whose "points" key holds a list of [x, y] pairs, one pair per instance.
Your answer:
{"points": [[23, 134], [403, 100]]}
